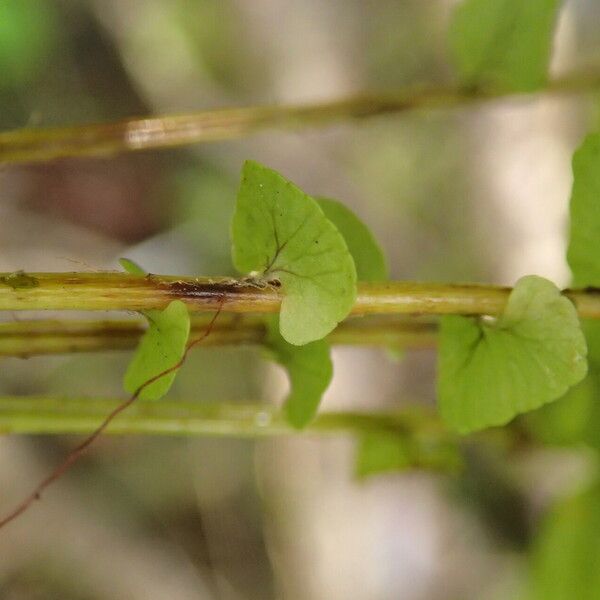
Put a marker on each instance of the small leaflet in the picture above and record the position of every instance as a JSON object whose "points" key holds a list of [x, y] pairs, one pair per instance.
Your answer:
{"points": [[161, 347], [491, 371], [280, 232]]}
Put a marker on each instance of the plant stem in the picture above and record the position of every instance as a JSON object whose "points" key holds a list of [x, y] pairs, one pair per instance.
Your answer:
{"points": [[26, 145], [43, 415], [118, 291], [29, 338]]}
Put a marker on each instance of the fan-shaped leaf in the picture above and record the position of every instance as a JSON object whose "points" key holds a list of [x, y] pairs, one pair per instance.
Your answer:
{"points": [[531, 355], [161, 347], [279, 231]]}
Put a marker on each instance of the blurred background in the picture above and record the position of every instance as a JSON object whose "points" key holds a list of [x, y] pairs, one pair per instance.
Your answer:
{"points": [[471, 194]]}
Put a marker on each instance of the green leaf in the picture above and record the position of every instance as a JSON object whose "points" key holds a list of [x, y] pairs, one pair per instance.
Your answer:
{"points": [[575, 418], [566, 421], [367, 254], [592, 381], [582, 254], [161, 347], [29, 32], [531, 355], [388, 451], [381, 452], [279, 231], [309, 370], [566, 553], [132, 267], [503, 43]]}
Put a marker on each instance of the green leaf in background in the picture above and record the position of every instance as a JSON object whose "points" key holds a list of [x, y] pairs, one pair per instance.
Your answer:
{"points": [[279, 231], [592, 429], [531, 355], [566, 554], [309, 370], [367, 254], [388, 451], [583, 255], [567, 420], [28, 37], [503, 43], [161, 347], [382, 452], [584, 259], [132, 267]]}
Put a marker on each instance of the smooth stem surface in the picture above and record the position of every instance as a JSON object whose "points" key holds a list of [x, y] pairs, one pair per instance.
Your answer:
{"points": [[43, 415], [35, 337], [28, 145], [117, 291]]}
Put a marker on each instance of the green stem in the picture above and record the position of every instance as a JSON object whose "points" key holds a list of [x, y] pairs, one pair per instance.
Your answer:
{"points": [[28, 145], [43, 415], [29, 338], [117, 291]]}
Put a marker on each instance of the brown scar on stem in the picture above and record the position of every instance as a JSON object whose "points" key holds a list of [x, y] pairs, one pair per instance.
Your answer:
{"points": [[198, 290], [210, 290]]}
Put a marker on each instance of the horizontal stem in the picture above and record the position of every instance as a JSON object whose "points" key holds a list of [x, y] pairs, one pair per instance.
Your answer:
{"points": [[118, 291], [35, 337], [43, 415], [26, 145]]}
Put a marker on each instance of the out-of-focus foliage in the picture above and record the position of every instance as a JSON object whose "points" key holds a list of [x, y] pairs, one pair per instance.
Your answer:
{"points": [[566, 421], [28, 35], [385, 452], [585, 214], [504, 43], [566, 559]]}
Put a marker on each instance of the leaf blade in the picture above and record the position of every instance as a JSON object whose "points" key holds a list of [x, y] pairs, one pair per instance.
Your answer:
{"points": [[368, 256], [132, 267], [531, 356], [506, 44], [309, 369], [582, 253], [162, 346], [566, 556], [279, 231]]}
